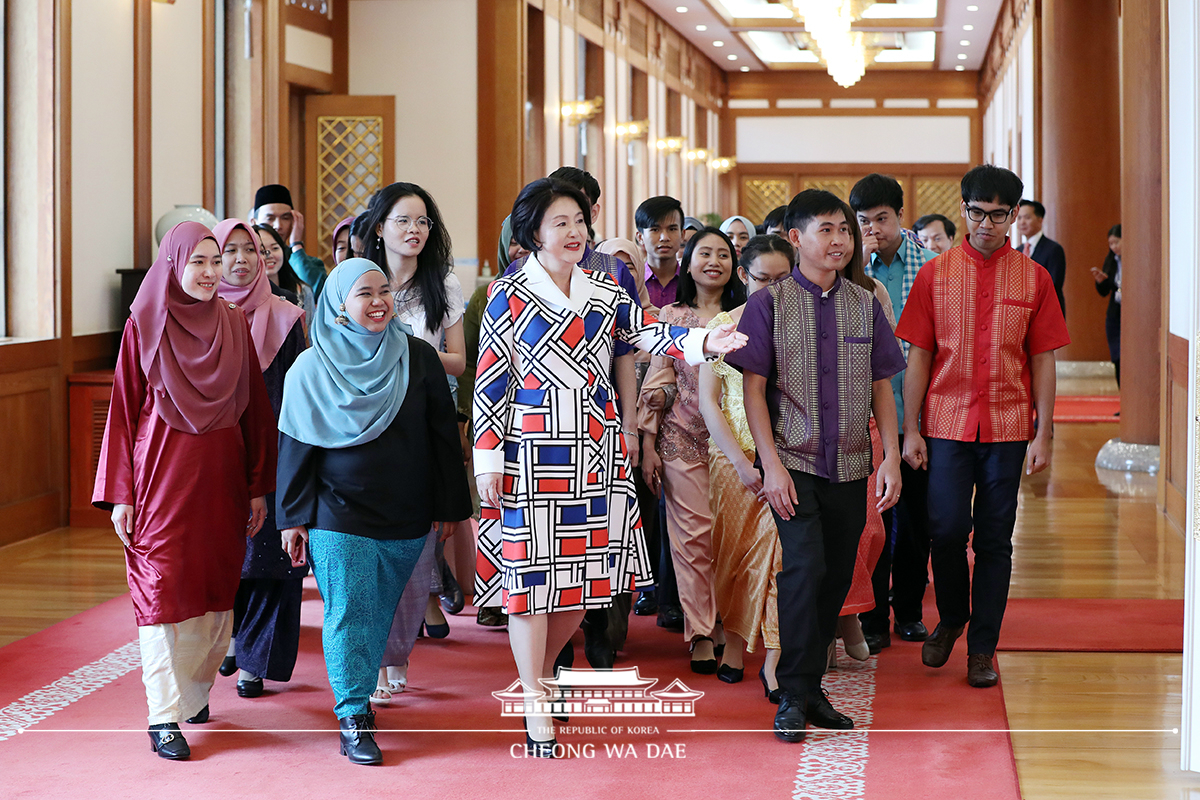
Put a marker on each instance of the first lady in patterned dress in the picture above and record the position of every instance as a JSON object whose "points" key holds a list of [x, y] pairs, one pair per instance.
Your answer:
{"points": [[560, 531]]}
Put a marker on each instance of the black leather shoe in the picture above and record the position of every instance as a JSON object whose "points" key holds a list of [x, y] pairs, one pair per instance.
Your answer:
{"points": [[538, 749], [357, 736], [772, 695], [789, 719], [451, 597], [228, 666], [936, 650], [670, 617], [877, 641], [596, 649], [980, 672], [729, 674], [706, 666], [646, 605], [491, 617], [250, 688], [168, 742], [200, 718], [912, 631], [822, 714]]}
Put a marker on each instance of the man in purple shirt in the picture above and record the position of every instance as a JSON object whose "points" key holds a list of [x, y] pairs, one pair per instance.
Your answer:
{"points": [[659, 223], [818, 363]]}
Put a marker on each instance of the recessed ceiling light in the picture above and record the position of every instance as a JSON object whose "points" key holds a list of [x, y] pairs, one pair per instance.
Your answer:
{"points": [[731, 57], [972, 8], [718, 43], [745, 69], [968, 27], [959, 68], [962, 56], [681, 9], [964, 43], [701, 28]]}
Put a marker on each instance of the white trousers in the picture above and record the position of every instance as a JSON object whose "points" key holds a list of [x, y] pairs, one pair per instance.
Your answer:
{"points": [[179, 664]]}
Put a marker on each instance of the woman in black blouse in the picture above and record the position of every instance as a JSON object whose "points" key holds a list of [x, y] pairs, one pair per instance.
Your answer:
{"points": [[369, 459]]}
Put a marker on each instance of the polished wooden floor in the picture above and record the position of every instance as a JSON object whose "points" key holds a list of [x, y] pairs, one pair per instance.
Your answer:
{"points": [[1079, 534]]}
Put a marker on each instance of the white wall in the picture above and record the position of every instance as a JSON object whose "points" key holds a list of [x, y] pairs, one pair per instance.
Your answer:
{"points": [[176, 104], [853, 139], [407, 48], [101, 160]]}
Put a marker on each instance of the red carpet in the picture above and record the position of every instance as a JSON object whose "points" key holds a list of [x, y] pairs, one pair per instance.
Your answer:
{"points": [[1093, 625], [89, 740], [1087, 408]]}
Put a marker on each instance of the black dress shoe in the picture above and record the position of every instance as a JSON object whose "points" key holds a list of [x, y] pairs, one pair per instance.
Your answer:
{"points": [[228, 666], [706, 666], [357, 736], [250, 688], [729, 674], [646, 605], [168, 742], [912, 631], [822, 714], [789, 719], [200, 718], [877, 641], [596, 649], [451, 596], [670, 617], [772, 695], [936, 650]]}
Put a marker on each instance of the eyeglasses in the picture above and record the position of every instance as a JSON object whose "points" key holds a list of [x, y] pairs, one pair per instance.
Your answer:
{"points": [[404, 223], [997, 216]]}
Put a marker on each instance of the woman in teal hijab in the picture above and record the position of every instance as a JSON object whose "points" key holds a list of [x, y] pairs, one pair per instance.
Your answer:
{"points": [[369, 460]]}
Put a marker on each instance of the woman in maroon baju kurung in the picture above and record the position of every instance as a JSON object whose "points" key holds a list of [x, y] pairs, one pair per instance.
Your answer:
{"points": [[188, 453]]}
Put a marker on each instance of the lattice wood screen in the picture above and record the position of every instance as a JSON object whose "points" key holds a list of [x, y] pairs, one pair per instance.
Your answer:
{"points": [[349, 170], [839, 186], [940, 196], [761, 195]]}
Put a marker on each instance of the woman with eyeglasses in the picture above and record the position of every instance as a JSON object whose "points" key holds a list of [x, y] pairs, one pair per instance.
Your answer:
{"points": [[405, 236]]}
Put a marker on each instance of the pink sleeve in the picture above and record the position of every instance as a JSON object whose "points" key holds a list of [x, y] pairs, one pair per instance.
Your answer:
{"points": [[114, 472]]}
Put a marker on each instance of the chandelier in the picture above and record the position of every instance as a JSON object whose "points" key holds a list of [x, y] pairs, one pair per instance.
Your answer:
{"points": [[844, 52]]}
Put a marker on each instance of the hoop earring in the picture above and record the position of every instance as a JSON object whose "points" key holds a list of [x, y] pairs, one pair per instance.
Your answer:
{"points": [[342, 319]]}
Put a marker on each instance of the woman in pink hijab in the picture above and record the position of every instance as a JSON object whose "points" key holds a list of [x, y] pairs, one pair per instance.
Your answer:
{"points": [[188, 455], [266, 614]]}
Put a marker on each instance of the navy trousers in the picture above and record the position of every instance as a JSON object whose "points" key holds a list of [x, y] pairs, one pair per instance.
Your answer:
{"points": [[990, 472]]}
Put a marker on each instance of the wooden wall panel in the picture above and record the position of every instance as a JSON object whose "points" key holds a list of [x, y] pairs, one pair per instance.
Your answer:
{"points": [[32, 490], [1173, 455]]}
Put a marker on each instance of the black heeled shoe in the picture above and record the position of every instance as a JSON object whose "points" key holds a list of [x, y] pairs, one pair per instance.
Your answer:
{"points": [[200, 718], [451, 597], [538, 749], [729, 674], [709, 665], [357, 736], [228, 666], [436, 631], [250, 688], [168, 742], [772, 695]]}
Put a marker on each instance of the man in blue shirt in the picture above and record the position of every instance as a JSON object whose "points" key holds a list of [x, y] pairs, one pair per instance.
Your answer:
{"points": [[891, 257]]}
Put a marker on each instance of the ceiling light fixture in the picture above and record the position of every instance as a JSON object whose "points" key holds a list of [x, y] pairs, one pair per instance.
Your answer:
{"points": [[681, 9], [972, 8], [968, 27], [959, 68], [718, 43], [731, 57], [828, 23], [964, 43], [745, 69], [962, 56], [702, 28]]}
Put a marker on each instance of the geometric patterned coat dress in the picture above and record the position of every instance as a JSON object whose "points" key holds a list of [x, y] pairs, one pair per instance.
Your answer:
{"points": [[568, 535]]}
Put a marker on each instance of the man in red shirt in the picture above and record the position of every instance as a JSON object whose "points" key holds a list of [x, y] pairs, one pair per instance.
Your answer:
{"points": [[983, 322]]}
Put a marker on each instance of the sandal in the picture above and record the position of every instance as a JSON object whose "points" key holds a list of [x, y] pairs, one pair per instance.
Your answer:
{"points": [[382, 695], [397, 685]]}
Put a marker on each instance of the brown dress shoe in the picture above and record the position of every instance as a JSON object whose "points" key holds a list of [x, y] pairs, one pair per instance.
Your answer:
{"points": [[935, 652], [979, 671]]}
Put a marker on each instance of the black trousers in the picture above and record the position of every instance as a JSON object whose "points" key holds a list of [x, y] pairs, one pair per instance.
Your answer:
{"points": [[266, 626], [820, 543], [990, 472], [903, 565]]}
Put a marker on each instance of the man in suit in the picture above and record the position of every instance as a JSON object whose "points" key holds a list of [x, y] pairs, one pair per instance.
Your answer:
{"points": [[1041, 248]]}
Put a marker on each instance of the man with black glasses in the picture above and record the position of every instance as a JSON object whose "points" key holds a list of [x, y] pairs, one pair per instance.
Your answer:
{"points": [[983, 322]]}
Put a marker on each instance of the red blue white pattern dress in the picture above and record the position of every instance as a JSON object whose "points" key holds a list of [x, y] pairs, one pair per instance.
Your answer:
{"points": [[568, 535]]}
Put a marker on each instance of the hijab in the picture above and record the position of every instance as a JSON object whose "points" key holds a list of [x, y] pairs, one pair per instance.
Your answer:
{"points": [[728, 223], [271, 317], [506, 236], [347, 388], [195, 354], [346, 223], [613, 246]]}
